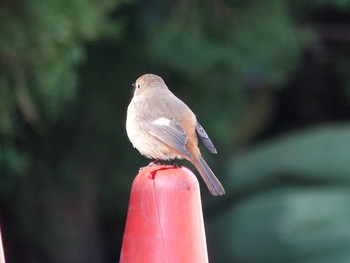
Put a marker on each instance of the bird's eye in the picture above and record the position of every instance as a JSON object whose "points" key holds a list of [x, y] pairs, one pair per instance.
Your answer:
{"points": [[135, 86]]}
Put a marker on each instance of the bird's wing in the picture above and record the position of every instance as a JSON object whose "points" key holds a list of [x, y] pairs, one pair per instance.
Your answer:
{"points": [[168, 131], [205, 138]]}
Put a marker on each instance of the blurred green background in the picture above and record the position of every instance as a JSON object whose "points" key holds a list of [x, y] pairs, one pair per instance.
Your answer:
{"points": [[269, 81]]}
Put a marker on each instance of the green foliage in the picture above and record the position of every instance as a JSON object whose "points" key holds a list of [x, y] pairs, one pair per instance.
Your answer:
{"points": [[7, 106], [293, 203], [318, 155], [341, 5], [285, 225], [196, 39], [42, 43]]}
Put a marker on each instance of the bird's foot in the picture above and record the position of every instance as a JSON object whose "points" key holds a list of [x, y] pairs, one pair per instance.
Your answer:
{"points": [[174, 163], [155, 162]]}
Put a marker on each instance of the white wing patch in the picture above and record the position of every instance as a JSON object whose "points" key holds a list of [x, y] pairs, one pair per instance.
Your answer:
{"points": [[162, 121]]}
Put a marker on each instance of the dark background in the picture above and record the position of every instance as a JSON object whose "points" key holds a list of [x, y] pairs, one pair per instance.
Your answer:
{"points": [[269, 81]]}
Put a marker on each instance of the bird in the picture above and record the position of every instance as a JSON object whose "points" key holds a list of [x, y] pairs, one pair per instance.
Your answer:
{"points": [[162, 127]]}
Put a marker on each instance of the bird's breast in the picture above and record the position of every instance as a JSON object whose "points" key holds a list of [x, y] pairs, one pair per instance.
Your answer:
{"points": [[142, 140]]}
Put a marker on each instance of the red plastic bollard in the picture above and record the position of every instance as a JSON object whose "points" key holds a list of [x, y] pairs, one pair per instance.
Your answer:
{"points": [[165, 220], [2, 255]]}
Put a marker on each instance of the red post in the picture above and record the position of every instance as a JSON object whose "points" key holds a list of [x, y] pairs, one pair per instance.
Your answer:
{"points": [[2, 255], [165, 220]]}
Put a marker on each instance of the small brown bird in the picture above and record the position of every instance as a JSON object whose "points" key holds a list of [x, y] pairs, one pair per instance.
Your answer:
{"points": [[162, 127]]}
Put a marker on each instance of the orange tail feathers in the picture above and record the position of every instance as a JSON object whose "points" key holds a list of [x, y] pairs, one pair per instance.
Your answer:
{"points": [[209, 177]]}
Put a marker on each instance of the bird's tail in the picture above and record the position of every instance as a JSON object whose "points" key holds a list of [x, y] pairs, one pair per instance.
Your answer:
{"points": [[209, 177]]}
